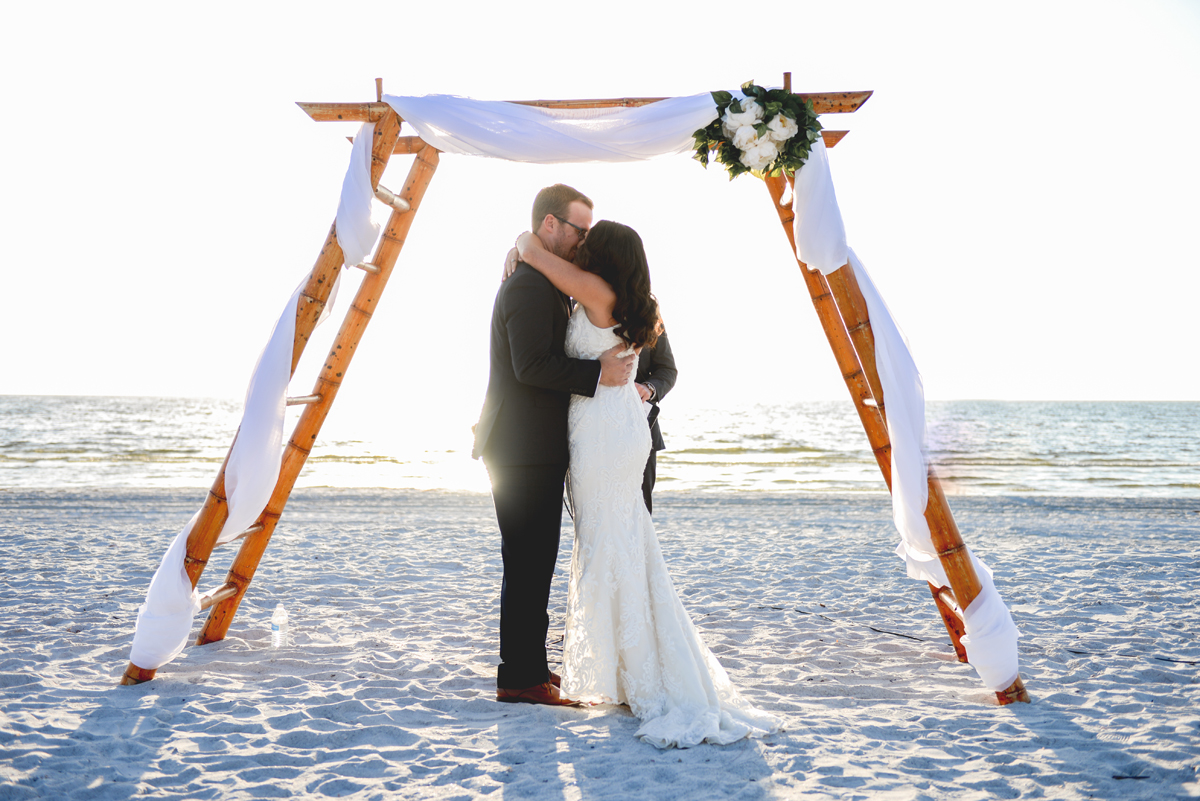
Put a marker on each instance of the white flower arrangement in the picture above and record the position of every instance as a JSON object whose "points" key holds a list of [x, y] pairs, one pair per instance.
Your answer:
{"points": [[760, 132]]}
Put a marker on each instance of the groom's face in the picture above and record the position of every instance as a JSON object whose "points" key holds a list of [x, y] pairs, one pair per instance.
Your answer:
{"points": [[566, 239]]}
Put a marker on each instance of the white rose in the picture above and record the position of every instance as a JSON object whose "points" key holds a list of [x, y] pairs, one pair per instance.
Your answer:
{"points": [[781, 129], [745, 137], [760, 155], [751, 114]]}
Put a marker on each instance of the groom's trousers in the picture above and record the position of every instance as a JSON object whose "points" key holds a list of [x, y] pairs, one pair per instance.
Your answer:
{"points": [[528, 500]]}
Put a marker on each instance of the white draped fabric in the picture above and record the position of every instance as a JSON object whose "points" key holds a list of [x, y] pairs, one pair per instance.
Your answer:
{"points": [[539, 135], [165, 619], [546, 136], [356, 231], [820, 234], [991, 639]]}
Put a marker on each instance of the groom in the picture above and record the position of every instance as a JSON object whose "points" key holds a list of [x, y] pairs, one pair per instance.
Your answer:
{"points": [[522, 437]]}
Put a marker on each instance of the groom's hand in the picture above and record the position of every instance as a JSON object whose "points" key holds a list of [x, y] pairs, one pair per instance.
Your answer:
{"points": [[615, 369]]}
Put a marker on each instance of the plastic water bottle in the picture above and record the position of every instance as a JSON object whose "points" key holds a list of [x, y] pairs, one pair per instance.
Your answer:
{"points": [[279, 627]]}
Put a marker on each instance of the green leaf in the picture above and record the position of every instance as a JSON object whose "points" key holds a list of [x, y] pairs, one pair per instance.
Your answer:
{"points": [[735, 106], [722, 98], [762, 129]]}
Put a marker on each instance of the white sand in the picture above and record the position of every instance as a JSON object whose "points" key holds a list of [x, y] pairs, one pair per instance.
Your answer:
{"points": [[386, 690]]}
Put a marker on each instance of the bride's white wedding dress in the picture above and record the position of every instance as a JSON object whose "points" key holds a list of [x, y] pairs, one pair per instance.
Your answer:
{"points": [[628, 638]]}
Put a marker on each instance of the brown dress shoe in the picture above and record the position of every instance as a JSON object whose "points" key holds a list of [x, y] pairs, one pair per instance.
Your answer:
{"points": [[555, 679], [545, 693]]}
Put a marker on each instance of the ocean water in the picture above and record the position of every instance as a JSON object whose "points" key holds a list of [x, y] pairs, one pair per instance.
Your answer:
{"points": [[1096, 449]]}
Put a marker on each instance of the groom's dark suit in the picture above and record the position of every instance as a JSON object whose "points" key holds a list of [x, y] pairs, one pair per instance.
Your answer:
{"points": [[522, 437], [656, 368]]}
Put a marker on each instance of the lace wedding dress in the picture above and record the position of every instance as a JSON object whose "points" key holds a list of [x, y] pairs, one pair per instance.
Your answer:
{"points": [[628, 638]]}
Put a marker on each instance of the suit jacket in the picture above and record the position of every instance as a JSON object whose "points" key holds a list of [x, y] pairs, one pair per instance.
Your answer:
{"points": [[656, 366], [531, 379]]}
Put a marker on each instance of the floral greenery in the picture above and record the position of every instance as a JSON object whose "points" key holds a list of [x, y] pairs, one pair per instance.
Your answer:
{"points": [[768, 133]]}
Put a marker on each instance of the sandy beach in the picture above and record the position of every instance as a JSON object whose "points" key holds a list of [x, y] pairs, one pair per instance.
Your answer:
{"points": [[386, 689]]}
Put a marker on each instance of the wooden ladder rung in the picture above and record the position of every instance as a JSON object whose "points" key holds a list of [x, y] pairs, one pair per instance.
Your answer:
{"points": [[256, 528], [389, 198], [222, 593], [366, 266], [301, 400], [947, 597]]}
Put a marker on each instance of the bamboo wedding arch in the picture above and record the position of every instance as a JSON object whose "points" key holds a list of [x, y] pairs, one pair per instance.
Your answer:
{"points": [[839, 304]]}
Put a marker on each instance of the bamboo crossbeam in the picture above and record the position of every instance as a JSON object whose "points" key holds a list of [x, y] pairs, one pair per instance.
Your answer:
{"points": [[831, 138], [408, 145], [301, 400], [345, 112], [823, 103], [367, 267], [245, 564]]}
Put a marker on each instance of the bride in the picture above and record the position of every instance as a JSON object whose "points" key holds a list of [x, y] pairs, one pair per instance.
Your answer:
{"points": [[628, 638]]}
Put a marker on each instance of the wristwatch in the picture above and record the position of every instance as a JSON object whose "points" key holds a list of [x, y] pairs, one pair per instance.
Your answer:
{"points": [[650, 387]]}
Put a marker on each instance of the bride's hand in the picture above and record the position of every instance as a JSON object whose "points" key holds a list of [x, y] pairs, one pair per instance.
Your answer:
{"points": [[510, 264], [528, 241]]}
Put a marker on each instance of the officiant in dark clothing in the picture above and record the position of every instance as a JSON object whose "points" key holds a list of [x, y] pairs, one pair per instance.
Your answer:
{"points": [[656, 375]]}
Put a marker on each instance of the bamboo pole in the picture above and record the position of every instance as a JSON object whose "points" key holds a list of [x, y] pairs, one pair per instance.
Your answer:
{"points": [[839, 341], [409, 145], [952, 552], [947, 541], [241, 572], [313, 297], [215, 510], [853, 308], [823, 103]]}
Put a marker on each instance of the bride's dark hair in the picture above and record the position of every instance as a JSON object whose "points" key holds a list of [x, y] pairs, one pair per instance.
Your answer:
{"points": [[615, 253]]}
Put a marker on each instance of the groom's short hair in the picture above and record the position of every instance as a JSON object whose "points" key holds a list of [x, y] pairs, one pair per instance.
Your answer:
{"points": [[556, 200]]}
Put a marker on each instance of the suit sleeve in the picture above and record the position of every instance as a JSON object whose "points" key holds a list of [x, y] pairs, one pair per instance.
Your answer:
{"points": [[538, 358], [662, 372]]}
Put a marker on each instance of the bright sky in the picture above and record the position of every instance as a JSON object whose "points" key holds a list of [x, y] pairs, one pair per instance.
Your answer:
{"points": [[1023, 186]]}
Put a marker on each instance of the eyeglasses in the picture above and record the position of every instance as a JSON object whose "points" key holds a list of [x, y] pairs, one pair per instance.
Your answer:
{"points": [[583, 232]]}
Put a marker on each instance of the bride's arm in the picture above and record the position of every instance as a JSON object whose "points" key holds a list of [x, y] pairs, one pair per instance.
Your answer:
{"points": [[592, 291]]}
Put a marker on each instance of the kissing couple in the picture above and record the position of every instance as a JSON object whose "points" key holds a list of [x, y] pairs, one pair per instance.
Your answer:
{"points": [[561, 400]]}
